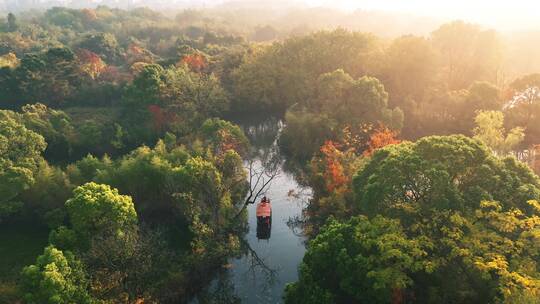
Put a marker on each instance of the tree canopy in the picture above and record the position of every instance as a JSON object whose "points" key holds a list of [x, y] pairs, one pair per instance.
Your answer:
{"points": [[285, 73], [119, 140], [20, 154], [56, 278], [439, 173], [448, 215], [95, 209], [340, 101]]}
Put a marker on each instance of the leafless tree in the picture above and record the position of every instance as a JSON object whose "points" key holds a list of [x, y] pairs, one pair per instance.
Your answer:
{"points": [[262, 170]]}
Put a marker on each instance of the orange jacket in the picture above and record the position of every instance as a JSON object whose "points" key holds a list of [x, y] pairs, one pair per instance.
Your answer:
{"points": [[264, 209]]}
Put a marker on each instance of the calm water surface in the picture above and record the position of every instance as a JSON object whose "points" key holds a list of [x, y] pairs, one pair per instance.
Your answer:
{"points": [[282, 253], [261, 275]]}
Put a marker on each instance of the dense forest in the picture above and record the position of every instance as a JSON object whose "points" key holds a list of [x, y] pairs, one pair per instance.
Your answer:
{"points": [[123, 175]]}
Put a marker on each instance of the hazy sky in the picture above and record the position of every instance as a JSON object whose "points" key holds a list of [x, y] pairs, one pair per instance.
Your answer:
{"points": [[504, 13]]}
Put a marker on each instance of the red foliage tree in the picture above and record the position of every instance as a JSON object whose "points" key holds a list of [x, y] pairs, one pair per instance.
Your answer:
{"points": [[91, 63], [334, 172], [161, 118], [380, 138], [196, 62], [136, 53]]}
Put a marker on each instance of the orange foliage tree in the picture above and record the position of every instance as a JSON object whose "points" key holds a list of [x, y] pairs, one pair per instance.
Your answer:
{"points": [[380, 138], [334, 172], [135, 53], [196, 62], [227, 142], [91, 63]]}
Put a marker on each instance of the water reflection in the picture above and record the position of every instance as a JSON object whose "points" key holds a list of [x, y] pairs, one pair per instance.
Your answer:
{"points": [[264, 228], [220, 291], [273, 249], [262, 134]]}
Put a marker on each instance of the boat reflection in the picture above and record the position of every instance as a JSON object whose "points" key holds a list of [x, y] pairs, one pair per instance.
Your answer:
{"points": [[264, 228]]}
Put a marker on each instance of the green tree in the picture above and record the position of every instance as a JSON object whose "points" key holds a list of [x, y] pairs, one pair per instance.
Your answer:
{"points": [[353, 102], [361, 260], [468, 54], [438, 188], [523, 108], [94, 208], [54, 125], [193, 97], [441, 172], [340, 101], [453, 112], [490, 130], [46, 197], [56, 278], [20, 154], [222, 136], [467, 220], [144, 174], [96, 211], [145, 88], [172, 174], [103, 44], [86, 169], [488, 257], [480, 96], [50, 77], [121, 262], [176, 99], [305, 133], [63, 17], [407, 70], [409, 66], [286, 73]]}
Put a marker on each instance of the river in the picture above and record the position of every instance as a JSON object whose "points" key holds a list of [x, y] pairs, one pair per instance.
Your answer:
{"points": [[260, 276]]}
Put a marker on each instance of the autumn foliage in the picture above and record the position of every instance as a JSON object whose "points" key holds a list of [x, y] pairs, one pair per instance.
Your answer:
{"points": [[228, 141], [337, 160], [196, 62], [334, 172], [136, 53], [161, 118], [380, 138], [91, 63]]}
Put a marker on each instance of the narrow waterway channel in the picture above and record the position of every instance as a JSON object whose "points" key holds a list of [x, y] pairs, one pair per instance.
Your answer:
{"points": [[260, 276]]}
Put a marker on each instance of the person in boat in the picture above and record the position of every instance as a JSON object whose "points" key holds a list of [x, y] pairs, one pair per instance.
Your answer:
{"points": [[264, 219], [264, 210]]}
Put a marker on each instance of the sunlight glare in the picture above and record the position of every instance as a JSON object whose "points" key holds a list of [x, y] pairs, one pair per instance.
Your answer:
{"points": [[516, 13]]}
